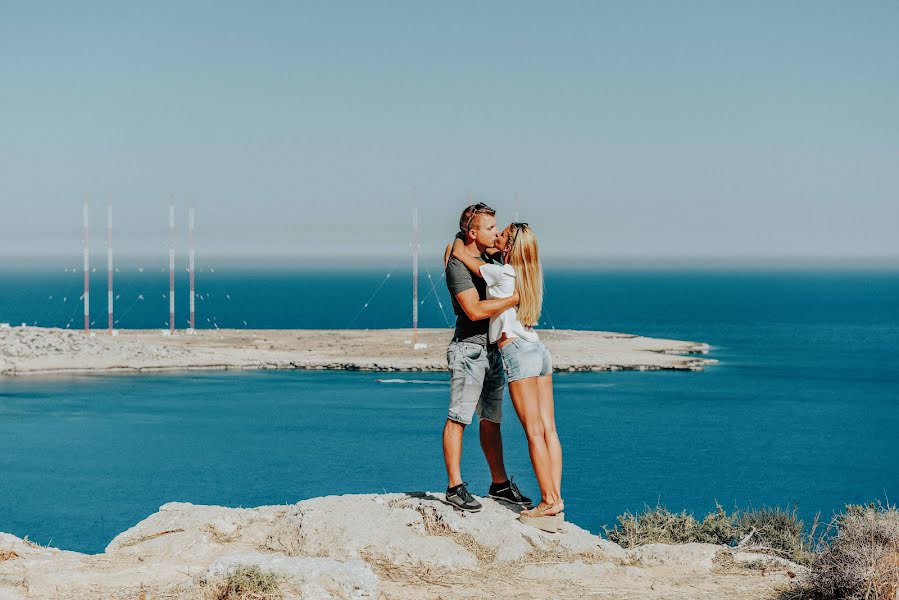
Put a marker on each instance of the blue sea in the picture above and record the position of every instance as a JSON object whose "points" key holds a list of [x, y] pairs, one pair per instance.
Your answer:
{"points": [[802, 410]]}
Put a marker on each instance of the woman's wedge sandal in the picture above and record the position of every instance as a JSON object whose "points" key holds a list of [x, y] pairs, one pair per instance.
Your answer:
{"points": [[536, 518]]}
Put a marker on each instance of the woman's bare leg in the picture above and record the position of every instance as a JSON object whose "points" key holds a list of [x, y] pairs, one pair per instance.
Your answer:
{"points": [[525, 399], [548, 418]]}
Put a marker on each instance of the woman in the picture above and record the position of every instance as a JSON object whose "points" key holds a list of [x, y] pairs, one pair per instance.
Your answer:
{"points": [[527, 362]]}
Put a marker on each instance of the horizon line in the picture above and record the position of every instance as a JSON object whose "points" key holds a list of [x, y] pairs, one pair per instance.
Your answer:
{"points": [[572, 260]]}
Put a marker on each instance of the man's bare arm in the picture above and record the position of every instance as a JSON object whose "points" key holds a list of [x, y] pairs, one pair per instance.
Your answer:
{"points": [[473, 263], [449, 249], [477, 309]]}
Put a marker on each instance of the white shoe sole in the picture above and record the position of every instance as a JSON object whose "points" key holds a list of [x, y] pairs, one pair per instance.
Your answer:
{"points": [[548, 523], [457, 507], [507, 501]]}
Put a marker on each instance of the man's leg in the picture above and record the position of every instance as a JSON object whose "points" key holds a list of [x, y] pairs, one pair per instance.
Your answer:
{"points": [[466, 377], [452, 451], [490, 411], [492, 445]]}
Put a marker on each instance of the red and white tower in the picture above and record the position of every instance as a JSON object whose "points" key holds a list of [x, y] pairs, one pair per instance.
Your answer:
{"points": [[109, 264], [190, 218], [84, 243], [414, 271], [172, 268]]}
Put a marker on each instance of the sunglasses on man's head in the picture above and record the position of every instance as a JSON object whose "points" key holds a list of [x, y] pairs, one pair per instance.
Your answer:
{"points": [[478, 209]]}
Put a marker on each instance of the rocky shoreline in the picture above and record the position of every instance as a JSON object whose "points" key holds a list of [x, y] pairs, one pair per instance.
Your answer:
{"points": [[38, 350], [392, 546]]}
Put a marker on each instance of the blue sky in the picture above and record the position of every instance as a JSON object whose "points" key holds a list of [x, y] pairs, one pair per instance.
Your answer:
{"points": [[629, 129]]}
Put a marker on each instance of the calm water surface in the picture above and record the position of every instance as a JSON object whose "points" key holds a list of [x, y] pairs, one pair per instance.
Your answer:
{"points": [[804, 407]]}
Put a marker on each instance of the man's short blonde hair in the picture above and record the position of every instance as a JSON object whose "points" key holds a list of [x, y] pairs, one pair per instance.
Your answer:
{"points": [[470, 213]]}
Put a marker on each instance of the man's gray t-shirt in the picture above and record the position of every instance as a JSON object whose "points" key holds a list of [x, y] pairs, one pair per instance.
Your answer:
{"points": [[459, 279]]}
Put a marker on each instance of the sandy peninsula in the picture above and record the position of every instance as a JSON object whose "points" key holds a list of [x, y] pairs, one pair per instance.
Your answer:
{"points": [[39, 350]]}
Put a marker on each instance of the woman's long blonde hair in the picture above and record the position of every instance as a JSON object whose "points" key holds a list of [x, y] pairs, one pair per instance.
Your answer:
{"points": [[524, 256]]}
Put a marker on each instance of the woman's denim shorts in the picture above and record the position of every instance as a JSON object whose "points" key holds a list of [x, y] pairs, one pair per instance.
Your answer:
{"points": [[523, 359]]}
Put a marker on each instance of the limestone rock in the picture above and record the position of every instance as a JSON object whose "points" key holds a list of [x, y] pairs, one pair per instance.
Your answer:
{"points": [[392, 546], [697, 557], [313, 577]]}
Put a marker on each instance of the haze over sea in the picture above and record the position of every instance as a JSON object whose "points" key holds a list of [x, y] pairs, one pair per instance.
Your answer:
{"points": [[803, 407]]}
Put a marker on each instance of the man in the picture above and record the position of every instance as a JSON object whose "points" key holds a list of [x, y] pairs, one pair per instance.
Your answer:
{"points": [[477, 377]]}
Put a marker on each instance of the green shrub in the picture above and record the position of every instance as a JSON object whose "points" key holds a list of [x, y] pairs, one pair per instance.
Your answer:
{"points": [[717, 528], [775, 529], [855, 558], [653, 526]]}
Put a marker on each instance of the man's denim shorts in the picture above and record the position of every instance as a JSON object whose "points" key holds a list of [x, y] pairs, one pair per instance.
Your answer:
{"points": [[523, 359], [477, 382]]}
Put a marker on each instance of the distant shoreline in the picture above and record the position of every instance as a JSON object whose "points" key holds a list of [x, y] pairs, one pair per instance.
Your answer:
{"points": [[262, 263], [39, 350]]}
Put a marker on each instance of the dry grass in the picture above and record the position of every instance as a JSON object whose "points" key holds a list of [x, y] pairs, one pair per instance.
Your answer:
{"points": [[8, 555], [220, 536], [287, 538], [152, 536], [653, 526], [555, 554], [859, 556], [416, 573], [288, 543], [500, 579], [490, 577], [775, 530], [243, 583], [435, 525], [760, 564]]}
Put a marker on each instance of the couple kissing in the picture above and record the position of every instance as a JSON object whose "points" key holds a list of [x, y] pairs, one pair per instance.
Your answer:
{"points": [[495, 281]]}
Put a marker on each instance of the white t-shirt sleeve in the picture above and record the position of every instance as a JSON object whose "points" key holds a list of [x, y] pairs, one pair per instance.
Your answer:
{"points": [[492, 274]]}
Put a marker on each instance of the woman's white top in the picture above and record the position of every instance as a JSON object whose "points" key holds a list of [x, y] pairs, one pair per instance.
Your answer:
{"points": [[500, 281]]}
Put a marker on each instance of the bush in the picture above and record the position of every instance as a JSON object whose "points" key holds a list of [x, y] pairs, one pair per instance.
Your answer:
{"points": [[773, 529], [717, 528], [776, 528], [856, 558], [653, 526], [859, 556]]}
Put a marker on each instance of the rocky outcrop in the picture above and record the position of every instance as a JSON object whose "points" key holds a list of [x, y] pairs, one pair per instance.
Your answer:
{"points": [[409, 545]]}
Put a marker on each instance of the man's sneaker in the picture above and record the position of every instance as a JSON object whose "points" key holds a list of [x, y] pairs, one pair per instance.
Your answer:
{"points": [[460, 497], [508, 492]]}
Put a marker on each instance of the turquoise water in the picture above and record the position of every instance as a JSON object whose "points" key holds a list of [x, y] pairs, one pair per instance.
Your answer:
{"points": [[804, 407]]}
